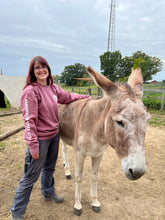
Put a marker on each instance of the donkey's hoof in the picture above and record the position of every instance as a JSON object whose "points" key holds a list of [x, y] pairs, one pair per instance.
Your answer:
{"points": [[68, 177], [77, 212], [96, 209]]}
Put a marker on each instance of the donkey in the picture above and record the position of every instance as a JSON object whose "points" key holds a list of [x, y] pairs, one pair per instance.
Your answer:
{"points": [[65, 159], [118, 119]]}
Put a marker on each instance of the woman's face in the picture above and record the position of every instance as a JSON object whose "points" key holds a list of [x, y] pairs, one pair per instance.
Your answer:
{"points": [[41, 73]]}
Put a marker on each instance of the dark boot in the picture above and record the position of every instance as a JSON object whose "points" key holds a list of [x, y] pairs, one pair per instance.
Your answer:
{"points": [[55, 198], [16, 218]]}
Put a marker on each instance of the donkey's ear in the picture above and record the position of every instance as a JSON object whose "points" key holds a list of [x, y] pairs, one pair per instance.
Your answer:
{"points": [[105, 84], [135, 81]]}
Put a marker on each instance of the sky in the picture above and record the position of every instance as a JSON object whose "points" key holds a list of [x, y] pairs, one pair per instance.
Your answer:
{"points": [[66, 32]]}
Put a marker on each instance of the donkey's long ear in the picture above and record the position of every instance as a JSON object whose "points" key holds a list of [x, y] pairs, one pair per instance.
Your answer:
{"points": [[105, 84], [135, 80]]}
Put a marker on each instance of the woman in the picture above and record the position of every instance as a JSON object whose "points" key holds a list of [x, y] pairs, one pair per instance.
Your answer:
{"points": [[40, 113]]}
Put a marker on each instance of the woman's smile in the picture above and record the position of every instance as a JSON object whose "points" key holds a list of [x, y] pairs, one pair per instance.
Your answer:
{"points": [[41, 73]]}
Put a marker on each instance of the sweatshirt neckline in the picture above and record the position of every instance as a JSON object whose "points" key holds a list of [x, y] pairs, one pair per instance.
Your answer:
{"points": [[40, 84]]}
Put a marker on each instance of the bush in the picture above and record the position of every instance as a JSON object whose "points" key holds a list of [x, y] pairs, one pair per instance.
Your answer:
{"points": [[152, 103]]}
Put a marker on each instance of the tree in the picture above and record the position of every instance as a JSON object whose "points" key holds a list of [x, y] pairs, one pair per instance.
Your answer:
{"points": [[114, 66], [73, 71], [111, 64], [56, 78], [126, 67], [149, 65]]}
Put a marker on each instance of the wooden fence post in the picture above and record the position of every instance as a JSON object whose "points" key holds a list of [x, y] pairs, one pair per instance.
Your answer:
{"points": [[99, 92], [163, 101], [89, 91]]}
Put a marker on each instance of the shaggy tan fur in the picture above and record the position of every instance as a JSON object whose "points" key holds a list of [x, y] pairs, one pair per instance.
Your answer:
{"points": [[118, 119]]}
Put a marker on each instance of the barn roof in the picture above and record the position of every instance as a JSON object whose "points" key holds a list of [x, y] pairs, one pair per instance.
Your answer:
{"points": [[12, 87]]}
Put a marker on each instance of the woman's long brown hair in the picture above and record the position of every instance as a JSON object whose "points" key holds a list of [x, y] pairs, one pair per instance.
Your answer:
{"points": [[31, 76]]}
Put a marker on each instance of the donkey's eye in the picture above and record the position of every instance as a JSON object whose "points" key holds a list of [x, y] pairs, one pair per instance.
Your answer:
{"points": [[120, 123]]}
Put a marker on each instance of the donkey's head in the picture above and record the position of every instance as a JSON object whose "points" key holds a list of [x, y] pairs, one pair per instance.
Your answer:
{"points": [[125, 123]]}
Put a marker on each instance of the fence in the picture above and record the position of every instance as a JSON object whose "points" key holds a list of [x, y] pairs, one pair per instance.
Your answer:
{"points": [[89, 91], [151, 91], [155, 91]]}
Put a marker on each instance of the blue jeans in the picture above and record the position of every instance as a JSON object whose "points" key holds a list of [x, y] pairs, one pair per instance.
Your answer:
{"points": [[48, 154]]}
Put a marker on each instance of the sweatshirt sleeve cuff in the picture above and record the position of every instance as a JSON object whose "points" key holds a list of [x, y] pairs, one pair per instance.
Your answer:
{"points": [[34, 150]]}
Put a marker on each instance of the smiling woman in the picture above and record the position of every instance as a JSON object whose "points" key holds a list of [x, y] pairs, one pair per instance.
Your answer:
{"points": [[39, 103], [39, 71]]}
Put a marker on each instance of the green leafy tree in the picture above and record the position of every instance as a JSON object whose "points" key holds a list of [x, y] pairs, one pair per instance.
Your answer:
{"points": [[149, 65], [126, 67], [56, 78], [83, 83], [73, 71], [111, 64], [116, 67]]}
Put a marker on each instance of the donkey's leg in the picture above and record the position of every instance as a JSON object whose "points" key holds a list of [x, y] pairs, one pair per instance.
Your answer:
{"points": [[79, 178], [94, 177], [65, 158]]}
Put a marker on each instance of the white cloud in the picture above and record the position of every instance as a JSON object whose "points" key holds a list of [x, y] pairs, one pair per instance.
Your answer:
{"points": [[34, 43], [77, 30], [145, 19]]}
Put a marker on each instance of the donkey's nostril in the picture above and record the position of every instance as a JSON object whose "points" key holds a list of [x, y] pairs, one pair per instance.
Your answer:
{"points": [[131, 171], [135, 173]]}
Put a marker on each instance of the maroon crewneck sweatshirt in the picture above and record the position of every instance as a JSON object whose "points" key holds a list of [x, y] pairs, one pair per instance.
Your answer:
{"points": [[40, 111]]}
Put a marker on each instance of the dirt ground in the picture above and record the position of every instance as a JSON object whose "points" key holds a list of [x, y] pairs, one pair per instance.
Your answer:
{"points": [[120, 198]]}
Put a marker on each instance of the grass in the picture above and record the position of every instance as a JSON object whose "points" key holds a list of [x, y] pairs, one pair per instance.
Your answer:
{"points": [[155, 86], [83, 89], [156, 122], [153, 94], [69, 88], [156, 112], [158, 118], [3, 145], [8, 106], [16, 142]]}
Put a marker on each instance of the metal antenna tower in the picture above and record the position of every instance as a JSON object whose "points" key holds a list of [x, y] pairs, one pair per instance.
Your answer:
{"points": [[112, 22]]}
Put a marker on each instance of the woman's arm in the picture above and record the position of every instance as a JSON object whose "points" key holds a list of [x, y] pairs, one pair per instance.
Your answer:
{"points": [[65, 97], [29, 105]]}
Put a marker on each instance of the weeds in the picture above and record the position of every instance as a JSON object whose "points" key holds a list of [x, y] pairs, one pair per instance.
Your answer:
{"points": [[3, 145]]}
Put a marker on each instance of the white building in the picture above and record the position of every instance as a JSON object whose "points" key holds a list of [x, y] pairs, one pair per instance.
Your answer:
{"points": [[12, 87]]}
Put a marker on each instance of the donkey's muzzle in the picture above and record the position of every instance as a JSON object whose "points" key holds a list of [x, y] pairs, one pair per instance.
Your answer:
{"points": [[135, 174], [134, 166]]}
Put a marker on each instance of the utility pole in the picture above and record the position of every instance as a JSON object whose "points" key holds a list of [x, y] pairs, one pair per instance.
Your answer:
{"points": [[112, 22]]}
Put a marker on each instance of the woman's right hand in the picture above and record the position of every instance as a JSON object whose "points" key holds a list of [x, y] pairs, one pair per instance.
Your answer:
{"points": [[35, 156]]}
